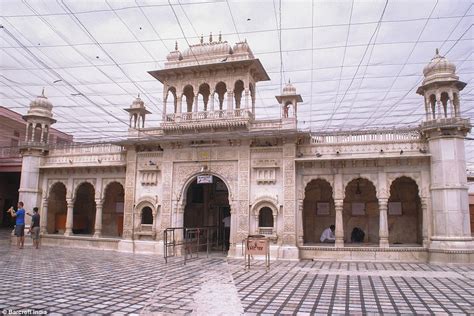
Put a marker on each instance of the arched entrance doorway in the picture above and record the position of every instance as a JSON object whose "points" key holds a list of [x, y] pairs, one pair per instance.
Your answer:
{"points": [[361, 211], [404, 212], [318, 210], [84, 209], [57, 209], [112, 212], [207, 205]]}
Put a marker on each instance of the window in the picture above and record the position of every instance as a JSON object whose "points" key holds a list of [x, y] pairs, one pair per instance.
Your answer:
{"points": [[265, 218], [147, 216]]}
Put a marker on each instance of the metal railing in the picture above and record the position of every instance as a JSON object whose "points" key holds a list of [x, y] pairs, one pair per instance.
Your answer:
{"points": [[189, 242]]}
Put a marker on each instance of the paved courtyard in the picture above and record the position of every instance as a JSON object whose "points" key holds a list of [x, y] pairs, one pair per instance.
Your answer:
{"points": [[64, 280]]}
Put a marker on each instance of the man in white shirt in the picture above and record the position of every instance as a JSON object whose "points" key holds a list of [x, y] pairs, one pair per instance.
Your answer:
{"points": [[328, 235]]}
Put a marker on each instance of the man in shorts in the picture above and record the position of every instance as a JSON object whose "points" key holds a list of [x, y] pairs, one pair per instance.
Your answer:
{"points": [[35, 227], [19, 224]]}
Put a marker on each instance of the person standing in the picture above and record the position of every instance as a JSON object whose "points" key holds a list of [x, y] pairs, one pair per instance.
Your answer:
{"points": [[19, 224], [35, 227]]}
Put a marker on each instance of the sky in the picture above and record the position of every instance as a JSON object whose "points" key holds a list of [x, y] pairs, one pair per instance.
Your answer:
{"points": [[357, 64]]}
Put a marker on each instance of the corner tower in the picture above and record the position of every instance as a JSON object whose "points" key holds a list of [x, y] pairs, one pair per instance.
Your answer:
{"points": [[445, 129], [210, 85], [38, 119]]}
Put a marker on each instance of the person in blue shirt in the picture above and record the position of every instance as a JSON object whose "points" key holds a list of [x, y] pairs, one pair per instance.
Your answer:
{"points": [[19, 224]]}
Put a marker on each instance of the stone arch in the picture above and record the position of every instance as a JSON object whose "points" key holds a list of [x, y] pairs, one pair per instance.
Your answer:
{"points": [[205, 92], [318, 209], [271, 204], [189, 180], [221, 91], [84, 209], [238, 90], [172, 90], [444, 98], [38, 129], [56, 208], [78, 184], [432, 101], [112, 209], [360, 209], [188, 92], [405, 216], [53, 183]]}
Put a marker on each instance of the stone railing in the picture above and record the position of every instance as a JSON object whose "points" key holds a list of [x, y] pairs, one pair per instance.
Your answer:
{"points": [[208, 115], [446, 121], [365, 143], [85, 155], [267, 124], [9, 152], [206, 119], [374, 136]]}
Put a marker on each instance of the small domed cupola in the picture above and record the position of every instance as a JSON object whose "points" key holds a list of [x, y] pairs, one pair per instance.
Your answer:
{"points": [[38, 119], [137, 113], [289, 104], [441, 87]]}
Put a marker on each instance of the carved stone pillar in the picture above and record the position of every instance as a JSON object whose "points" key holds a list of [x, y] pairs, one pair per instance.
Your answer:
{"points": [[234, 224], [212, 101], [26, 132], [246, 98], [440, 110], [44, 217], [196, 102], [230, 100], [425, 222], [165, 101], [69, 217], [339, 223], [383, 226], [98, 219], [299, 223], [178, 106], [33, 129]]}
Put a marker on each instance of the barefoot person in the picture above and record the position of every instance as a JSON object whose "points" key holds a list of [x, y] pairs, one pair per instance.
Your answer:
{"points": [[19, 224], [35, 227]]}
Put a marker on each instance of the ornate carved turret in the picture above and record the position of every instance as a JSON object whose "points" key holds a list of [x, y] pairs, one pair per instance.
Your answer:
{"points": [[212, 85], [137, 113], [441, 87], [445, 131], [289, 105], [38, 119]]}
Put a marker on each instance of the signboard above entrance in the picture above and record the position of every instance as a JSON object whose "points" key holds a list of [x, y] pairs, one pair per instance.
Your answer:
{"points": [[204, 179]]}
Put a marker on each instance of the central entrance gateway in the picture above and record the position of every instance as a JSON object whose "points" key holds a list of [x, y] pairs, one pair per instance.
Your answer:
{"points": [[207, 205]]}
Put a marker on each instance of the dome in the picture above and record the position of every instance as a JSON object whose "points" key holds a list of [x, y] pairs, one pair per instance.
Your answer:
{"points": [[439, 68], [138, 103], [289, 89], [41, 106], [174, 55]]}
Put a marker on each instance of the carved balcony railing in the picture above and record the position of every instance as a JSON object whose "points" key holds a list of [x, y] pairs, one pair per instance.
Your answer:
{"points": [[206, 119], [388, 142], [73, 155], [446, 122], [369, 136]]}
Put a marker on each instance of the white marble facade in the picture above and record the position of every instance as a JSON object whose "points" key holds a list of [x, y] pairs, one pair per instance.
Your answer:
{"points": [[406, 188]]}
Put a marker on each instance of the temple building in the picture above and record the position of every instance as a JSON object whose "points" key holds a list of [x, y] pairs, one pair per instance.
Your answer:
{"points": [[211, 158]]}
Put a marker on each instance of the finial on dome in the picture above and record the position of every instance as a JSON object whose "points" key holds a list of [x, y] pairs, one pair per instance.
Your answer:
{"points": [[138, 96], [42, 93], [202, 39], [220, 36], [437, 51], [176, 45], [289, 80], [210, 37]]}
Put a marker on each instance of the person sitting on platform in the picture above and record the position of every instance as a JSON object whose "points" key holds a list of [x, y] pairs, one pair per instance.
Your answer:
{"points": [[328, 235], [357, 235]]}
